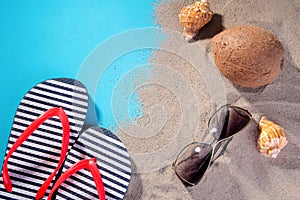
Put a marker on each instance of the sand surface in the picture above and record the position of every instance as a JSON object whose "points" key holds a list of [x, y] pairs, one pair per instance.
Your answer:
{"points": [[185, 88]]}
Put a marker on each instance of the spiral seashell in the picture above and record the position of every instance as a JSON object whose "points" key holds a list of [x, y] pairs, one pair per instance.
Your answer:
{"points": [[193, 17], [271, 138]]}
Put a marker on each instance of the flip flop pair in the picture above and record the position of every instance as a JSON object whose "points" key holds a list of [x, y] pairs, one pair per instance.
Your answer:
{"points": [[48, 158]]}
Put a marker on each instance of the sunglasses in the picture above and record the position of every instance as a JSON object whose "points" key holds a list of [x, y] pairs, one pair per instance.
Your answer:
{"points": [[194, 160]]}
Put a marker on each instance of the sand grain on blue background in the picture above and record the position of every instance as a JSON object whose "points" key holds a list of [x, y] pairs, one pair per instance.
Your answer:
{"points": [[48, 39]]}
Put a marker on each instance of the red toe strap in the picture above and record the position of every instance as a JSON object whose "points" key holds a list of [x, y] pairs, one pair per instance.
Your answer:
{"points": [[59, 112], [89, 164]]}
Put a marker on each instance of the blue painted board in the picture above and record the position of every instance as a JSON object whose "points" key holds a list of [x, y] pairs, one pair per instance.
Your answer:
{"points": [[47, 39]]}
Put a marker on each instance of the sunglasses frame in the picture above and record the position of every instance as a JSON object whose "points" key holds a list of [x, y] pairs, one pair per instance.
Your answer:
{"points": [[212, 145]]}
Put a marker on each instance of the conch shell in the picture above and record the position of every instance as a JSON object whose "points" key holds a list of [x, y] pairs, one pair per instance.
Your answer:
{"points": [[271, 138], [193, 17]]}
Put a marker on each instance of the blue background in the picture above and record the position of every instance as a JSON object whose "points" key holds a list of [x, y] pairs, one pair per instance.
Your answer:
{"points": [[47, 39]]}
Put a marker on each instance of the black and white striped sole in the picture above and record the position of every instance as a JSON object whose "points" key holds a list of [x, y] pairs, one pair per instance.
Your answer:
{"points": [[112, 160], [38, 156]]}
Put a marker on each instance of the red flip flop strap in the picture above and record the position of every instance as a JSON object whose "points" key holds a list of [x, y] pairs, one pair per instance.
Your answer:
{"points": [[59, 112], [89, 164]]}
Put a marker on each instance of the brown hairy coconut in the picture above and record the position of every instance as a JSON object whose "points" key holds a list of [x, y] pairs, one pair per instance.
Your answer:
{"points": [[248, 56]]}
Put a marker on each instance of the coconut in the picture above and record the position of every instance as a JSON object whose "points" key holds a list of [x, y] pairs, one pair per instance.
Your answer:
{"points": [[248, 56]]}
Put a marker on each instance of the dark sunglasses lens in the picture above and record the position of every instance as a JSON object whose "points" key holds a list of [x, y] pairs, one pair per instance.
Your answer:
{"points": [[228, 121], [192, 163]]}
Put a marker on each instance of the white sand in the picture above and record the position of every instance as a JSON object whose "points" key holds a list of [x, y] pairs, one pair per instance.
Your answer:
{"points": [[179, 99]]}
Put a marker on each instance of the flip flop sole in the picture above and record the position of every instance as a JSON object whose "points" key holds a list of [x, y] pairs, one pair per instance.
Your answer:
{"points": [[112, 160], [38, 156]]}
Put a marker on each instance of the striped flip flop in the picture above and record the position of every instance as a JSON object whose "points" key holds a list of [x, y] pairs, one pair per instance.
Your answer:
{"points": [[50, 116], [95, 147]]}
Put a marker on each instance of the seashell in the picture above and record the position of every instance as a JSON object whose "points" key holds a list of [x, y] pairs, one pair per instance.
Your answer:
{"points": [[271, 138], [193, 17]]}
